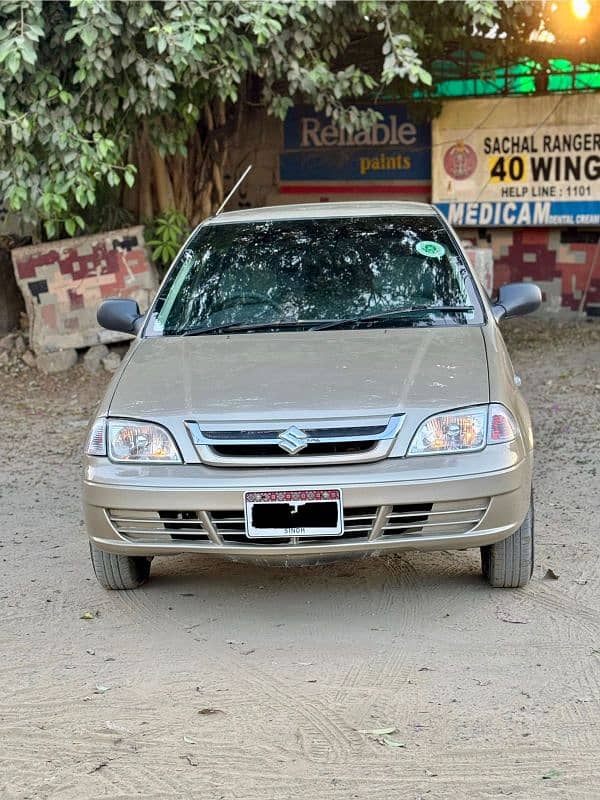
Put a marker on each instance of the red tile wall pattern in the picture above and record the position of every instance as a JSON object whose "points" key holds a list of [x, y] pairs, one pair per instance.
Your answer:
{"points": [[562, 270], [64, 282]]}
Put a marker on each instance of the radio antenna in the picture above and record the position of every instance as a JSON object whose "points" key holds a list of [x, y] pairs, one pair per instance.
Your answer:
{"points": [[233, 191]]}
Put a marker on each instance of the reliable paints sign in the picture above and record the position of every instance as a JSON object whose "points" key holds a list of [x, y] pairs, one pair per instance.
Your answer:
{"points": [[518, 161], [392, 157]]}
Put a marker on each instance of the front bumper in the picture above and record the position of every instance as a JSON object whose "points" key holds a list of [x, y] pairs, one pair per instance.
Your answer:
{"points": [[472, 500]]}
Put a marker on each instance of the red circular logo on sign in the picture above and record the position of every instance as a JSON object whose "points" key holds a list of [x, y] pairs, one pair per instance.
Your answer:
{"points": [[460, 161]]}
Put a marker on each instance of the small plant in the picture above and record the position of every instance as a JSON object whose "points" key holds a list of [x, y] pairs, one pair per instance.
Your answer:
{"points": [[167, 233]]}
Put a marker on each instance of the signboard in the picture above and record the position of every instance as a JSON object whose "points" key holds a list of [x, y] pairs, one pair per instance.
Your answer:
{"points": [[392, 157], [518, 162]]}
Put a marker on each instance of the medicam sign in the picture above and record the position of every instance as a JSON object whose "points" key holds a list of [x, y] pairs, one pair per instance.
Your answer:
{"points": [[527, 161], [391, 157]]}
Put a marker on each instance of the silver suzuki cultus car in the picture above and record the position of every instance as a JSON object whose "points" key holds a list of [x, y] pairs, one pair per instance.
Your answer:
{"points": [[314, 382]]}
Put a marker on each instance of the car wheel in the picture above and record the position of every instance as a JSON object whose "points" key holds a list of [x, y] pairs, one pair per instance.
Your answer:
{"points": [[119, 572], [508, 564]]}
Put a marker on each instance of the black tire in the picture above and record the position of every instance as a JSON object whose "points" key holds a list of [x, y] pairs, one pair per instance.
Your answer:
{"points": [[119, 572], [509, 564]]}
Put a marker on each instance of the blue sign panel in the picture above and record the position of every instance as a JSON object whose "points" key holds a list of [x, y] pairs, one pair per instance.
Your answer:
{"points": [[394, 155], [522, 213]]}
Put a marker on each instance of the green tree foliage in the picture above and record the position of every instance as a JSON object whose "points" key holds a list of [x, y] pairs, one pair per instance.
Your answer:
{"points": [[141, 99], [166, 232]]}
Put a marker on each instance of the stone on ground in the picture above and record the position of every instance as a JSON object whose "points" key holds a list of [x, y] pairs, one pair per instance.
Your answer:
{"points": [[28, 358], [58, 361], [20, 345], [92, 360], [112, 362], [7, 342]]}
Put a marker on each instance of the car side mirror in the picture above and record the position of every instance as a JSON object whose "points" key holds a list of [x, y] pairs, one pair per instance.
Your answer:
{"points": [[120, 314], [516, 299]]}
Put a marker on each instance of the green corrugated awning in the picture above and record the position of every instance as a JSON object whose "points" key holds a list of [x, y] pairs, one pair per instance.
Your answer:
{"points": [[466, 76]]}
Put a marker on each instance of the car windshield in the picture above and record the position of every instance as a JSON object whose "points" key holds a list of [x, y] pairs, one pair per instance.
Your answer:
{"points": [[316, 274]]}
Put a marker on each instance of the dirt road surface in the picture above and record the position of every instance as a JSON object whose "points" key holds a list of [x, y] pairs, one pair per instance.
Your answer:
{"points": [[219, 680]]}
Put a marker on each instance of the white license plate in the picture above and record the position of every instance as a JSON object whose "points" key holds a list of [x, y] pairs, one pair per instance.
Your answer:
{"points": [[297, 512]]}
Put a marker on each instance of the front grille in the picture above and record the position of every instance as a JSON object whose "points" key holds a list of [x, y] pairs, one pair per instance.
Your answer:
{"points": [[230, 525], [273, 450], [430, 518], [283, 444], [154, 527], [407, 518], [365, 431], [361, 523]]}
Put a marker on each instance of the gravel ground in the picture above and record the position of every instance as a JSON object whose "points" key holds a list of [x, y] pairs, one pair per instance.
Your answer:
{"points": [[228, 681]]}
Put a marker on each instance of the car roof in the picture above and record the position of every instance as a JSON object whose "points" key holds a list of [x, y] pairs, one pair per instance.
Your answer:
{"points": [[324, 210]]}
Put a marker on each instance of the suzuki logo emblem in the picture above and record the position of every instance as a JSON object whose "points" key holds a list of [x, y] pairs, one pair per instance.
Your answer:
{"points": [[293, 440]]}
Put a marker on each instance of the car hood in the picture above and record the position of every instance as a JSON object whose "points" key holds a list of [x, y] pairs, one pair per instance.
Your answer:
{"points": [[303, 375]]}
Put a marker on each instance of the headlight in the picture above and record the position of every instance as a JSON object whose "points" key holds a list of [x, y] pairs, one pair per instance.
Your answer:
{"points": [[127, 441], [464, 430]]}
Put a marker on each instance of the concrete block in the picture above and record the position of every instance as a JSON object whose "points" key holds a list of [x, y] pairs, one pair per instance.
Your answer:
{"points": [[64, 282], [59, 361], [482, 261], [112, 362], [92, 360]]}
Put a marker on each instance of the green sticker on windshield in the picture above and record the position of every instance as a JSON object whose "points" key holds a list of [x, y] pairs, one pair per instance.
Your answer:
{"points": [[430, 249]]}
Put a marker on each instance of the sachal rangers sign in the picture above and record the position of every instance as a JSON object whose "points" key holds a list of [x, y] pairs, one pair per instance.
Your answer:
{"points": [[320, 157], [521, 161]]}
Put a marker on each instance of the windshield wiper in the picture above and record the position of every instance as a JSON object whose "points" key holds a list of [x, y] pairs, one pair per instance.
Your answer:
{"points": [[394, 312], [243, 327]]}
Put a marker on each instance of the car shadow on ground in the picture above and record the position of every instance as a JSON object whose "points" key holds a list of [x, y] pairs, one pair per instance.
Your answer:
{"points": [[420, 583], [405, 569]]}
